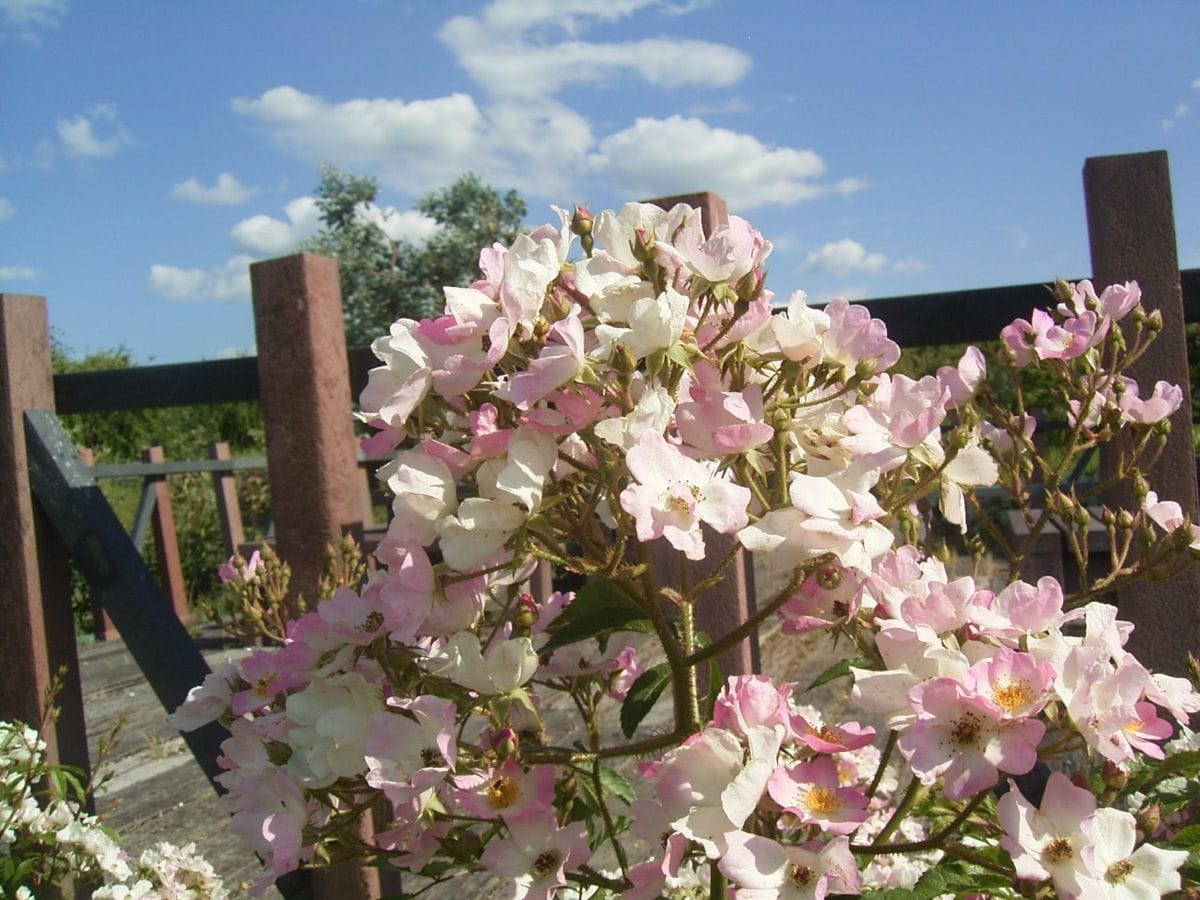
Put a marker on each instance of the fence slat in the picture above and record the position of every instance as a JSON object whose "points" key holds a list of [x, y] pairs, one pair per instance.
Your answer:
{"points": [[37, 633], [118, 575], [228, 510], [1131, 227], [170, 567]]}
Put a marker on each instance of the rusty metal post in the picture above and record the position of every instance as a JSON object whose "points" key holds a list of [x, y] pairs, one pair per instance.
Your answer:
{"points": [[312, 460], [228, 510], [732, 601], [1131, 227], [37, 638], [166, 544]]}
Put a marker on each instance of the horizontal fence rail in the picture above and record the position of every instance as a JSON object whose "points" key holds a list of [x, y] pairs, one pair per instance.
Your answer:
{"points": [[919, 320]]}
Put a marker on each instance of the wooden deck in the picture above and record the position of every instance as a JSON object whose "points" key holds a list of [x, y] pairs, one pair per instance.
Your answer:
{"points": [[156, 791]]}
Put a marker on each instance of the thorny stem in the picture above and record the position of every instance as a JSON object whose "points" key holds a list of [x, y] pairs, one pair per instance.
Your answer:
{"points": [[743, 631], [933, 842], [635, 748]]}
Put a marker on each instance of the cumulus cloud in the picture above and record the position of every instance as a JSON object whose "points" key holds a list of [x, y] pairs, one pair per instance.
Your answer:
{"points": [[22, 18], [514, 65], [7, 210], [265, 236], [410, 225], [656, 157], [910, 265], [78, 135], [1196, 85], [842, 257], [412, 144], [228, 281], [534, 146], [227, 191], [17, 273]]}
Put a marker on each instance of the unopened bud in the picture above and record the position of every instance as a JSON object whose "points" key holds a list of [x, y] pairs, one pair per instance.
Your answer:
{"points": [[1149, 819], [567, 787], [504, 743], [526, 615], [1114, 776], [1125, 519], [581, 224], [781, 421], [622, 359], [1063, 291], [278, 753], [1154, 321]]}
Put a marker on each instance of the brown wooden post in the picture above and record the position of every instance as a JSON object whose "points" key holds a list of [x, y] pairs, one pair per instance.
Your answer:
{"points": [[37, 630], [732, 601], [225, 488], [1131, 226], [102, 625], [166, 545], [312, 460]]}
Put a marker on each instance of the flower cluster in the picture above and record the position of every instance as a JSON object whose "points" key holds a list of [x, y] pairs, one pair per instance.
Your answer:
{"points": [[47, 839], [638, 416]]}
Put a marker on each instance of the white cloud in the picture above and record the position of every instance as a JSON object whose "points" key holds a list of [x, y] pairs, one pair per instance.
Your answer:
{"points": [[410, 225], [264, 236], [842, 257], [535, 146], [227, 191], [529, 48], [77, 134], [1196, 85], [7, 210], [910, 265], [22, 18], [1020, 237], [229, 281], [657, 157], [410, 144], [17, 273]]}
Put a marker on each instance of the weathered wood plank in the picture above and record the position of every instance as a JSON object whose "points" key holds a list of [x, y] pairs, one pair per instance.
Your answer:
{"points": [[118, 576]]}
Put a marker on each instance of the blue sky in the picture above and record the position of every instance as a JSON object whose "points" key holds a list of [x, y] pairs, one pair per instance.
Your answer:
{"points": [[150, 150]]}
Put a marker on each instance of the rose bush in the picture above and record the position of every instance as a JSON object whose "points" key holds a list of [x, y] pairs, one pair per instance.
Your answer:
{"points": [[576, 409], [48, 840]]}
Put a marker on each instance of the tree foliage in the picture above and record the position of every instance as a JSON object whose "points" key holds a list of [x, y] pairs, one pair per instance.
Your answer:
{"points": [[383, 279]]}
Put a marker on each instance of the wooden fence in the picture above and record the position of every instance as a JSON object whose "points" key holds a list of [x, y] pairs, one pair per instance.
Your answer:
{"points": [[303, 377]]}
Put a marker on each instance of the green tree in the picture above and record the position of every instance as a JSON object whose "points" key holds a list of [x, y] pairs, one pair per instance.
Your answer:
{"points": [[383, 279]]}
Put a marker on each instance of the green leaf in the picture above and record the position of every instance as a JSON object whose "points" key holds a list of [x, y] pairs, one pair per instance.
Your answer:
{"points": [[841, 669], [614, 783], [892, 894], [600, 607], [956, 877], [641, 697], [1188, 837]]}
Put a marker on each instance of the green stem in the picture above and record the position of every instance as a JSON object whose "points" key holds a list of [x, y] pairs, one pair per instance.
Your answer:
{"points": [[911, 795], [743, 631], [637, 748]]}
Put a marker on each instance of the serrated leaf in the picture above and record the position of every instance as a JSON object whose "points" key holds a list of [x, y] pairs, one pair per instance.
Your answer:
{"points": [[642, 696], [600, 606], [950, 878], [614, 783], [1188, 837], [840, 669]]}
